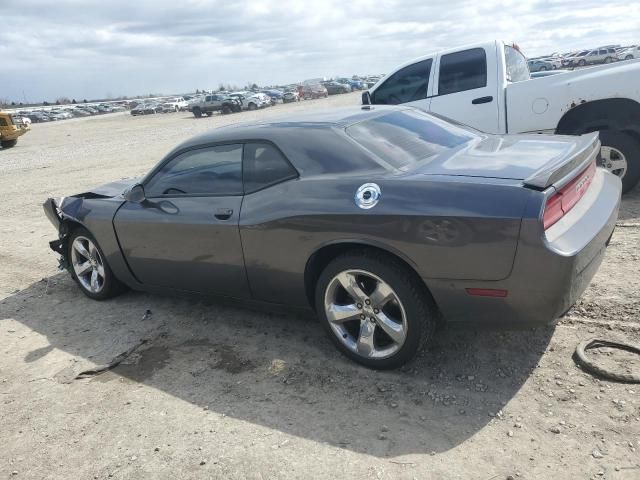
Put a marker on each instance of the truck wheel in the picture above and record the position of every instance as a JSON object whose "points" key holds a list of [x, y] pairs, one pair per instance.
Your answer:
{"points": [[620, 154], [582, 63], [226, 110], [252, 106], [197, 112], [9, 143], [629, 57], [608, 60]]}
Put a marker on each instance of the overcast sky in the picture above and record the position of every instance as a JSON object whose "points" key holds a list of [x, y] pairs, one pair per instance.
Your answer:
{"points": [[70, 48]]}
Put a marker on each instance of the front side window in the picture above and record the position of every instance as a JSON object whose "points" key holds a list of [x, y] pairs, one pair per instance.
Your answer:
{"points": [[516, 65], [264, 165], [204, 171], [462, 71], [406, 85]]}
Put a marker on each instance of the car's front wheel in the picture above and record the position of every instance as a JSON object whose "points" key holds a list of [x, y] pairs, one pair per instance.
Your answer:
{"points": [[89, 268], [374, 309], [9, 143]]}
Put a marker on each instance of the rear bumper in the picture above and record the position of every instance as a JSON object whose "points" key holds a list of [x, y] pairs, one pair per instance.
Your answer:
{"points": [[550, 272]]}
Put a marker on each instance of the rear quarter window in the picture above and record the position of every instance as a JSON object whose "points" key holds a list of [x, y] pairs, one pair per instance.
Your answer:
{"points": [[402, 139]]}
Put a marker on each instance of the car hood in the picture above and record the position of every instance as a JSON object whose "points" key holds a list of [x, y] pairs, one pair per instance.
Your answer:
{"points": [[516, 157], [111, 189]]}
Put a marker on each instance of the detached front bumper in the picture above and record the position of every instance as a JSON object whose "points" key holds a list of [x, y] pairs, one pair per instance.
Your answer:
{"points": [[550, 272], [59, 246]]}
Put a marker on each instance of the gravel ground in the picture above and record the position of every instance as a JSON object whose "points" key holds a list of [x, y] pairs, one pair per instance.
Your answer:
{"points": [[220, 391]]}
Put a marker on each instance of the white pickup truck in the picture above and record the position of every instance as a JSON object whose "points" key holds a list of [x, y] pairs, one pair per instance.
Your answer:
{"points": [[488, 87]]}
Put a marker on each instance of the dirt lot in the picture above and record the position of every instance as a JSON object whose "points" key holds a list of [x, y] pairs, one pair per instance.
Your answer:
{"points": [[224, 392]]}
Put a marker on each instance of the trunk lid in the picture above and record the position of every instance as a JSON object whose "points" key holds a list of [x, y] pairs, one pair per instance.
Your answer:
{"points": [[538, 161]]}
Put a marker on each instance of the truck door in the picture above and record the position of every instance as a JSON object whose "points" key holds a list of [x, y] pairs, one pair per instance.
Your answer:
{"points": [[465, 89], [409, 85]]}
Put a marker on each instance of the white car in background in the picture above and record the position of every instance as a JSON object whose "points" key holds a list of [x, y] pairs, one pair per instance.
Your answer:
{"points": [[252, 101], [629, 53], [177, 104]]}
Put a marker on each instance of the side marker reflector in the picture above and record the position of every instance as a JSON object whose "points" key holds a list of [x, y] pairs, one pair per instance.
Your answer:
{"points": [[487, 292]]}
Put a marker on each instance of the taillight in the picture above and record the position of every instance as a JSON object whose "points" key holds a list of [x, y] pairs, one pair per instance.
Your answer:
{"points": [[559, 204]]}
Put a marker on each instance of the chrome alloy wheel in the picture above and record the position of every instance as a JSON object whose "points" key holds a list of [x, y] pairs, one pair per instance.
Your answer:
{"points": [[365, 314], [87, 264], [613, 160]]}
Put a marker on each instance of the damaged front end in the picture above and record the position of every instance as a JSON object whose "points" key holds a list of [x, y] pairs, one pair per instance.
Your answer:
{"points": [[62, 213], [53, 211]]}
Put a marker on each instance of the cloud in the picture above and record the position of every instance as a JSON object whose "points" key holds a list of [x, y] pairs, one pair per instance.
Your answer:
{"points": [[72, 48]]}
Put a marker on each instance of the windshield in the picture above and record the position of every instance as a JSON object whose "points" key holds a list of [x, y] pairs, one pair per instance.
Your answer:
{"points": [[402, 139]]}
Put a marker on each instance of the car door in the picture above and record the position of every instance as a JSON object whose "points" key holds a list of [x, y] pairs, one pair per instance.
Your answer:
{"points": [[466, 89], [409, 85], [184, 235]]}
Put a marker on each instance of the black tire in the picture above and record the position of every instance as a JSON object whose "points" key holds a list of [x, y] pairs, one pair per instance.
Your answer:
{"points": [[421, 312], [252, 106], [226, 109], [629, 57], [543, 68], [607, 60], [197, 112], [112, 286], [9, 143], [209, 114], [582, 63], [630, 148]]}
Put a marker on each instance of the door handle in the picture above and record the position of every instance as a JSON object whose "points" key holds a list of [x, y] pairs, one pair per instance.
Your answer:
{"points": [[223, 213], [477, 101]]}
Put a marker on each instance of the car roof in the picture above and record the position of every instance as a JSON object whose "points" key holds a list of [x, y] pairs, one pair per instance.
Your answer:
{"points": [[336, 118], [313, 142]]}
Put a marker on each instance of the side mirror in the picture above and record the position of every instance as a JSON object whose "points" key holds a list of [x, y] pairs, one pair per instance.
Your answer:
{"points": [[136, 194], [366, 98]]}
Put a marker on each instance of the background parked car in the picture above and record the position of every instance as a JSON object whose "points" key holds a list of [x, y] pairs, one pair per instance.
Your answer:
{"points": [[275, 95], [629, 53], [312, 91], [591, 57], [290, 96], [539, 65], [334, 88]]}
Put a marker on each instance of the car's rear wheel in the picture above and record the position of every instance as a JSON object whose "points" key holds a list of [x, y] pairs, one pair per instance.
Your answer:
{"points": [[608, 60], [89, 268], [543, 68], [9, 143], [197, 112], [582, 63], [374, 309], [620, 154]]}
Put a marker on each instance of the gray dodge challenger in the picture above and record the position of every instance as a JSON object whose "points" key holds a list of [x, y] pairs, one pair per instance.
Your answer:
{"points": [[384, 220]]}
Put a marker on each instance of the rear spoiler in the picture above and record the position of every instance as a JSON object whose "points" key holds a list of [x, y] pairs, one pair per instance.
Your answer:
{"points": [[559, 171]]}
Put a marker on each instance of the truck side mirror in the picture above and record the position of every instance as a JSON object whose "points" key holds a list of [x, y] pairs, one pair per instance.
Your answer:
{"points": [[136, 194], [366, 98]]}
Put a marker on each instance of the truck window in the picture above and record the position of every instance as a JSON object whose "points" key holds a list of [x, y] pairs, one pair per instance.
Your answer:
{"points": [[406, 85], [516, 65], [462, 71]]}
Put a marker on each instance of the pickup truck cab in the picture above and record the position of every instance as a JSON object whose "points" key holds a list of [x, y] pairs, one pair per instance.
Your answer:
{"points": [[488, 87]]}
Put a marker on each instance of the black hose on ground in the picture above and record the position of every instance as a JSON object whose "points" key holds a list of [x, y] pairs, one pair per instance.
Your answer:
{"points": [[581, 359]]}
